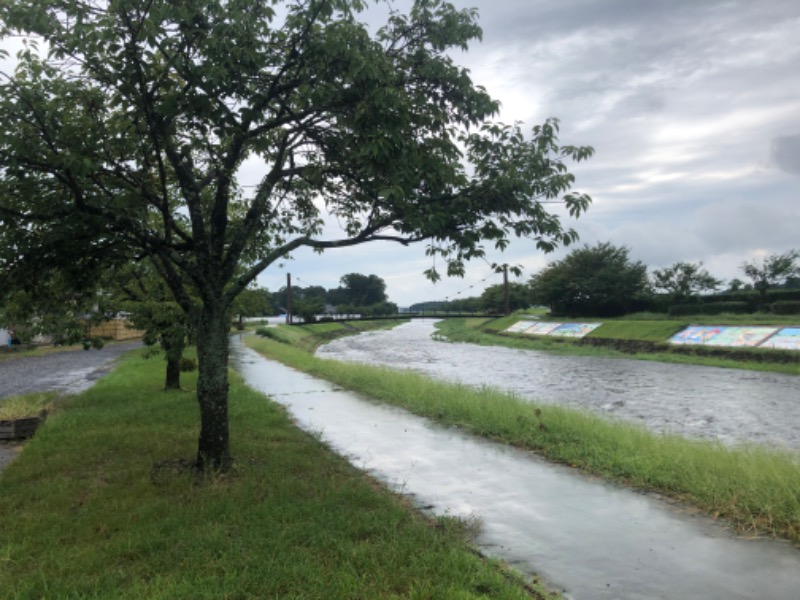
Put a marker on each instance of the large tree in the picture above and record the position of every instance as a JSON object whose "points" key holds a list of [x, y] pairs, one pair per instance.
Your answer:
{"points": [[593, 281], [137, 123]]}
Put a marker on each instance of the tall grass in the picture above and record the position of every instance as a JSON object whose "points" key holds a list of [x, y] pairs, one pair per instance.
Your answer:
{"points": [[755, 488], [26, 405], [102, 504]]}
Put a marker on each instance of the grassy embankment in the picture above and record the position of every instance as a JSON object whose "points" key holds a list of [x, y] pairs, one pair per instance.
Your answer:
{"points": [[754, 488], [642, 337], [102, 504]]}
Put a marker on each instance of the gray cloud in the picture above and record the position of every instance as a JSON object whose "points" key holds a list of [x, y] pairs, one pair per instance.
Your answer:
{"points": [[786, 153]]}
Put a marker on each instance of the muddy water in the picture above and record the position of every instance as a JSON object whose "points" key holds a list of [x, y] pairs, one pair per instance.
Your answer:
{"points": [[724, 404], [591, 539]]}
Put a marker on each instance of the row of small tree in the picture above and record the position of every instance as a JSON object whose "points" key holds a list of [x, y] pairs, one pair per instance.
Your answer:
{"points": [[602, 280]]}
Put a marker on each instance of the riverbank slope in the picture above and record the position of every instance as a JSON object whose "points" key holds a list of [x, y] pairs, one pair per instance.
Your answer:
{"points": [[641, 339]]}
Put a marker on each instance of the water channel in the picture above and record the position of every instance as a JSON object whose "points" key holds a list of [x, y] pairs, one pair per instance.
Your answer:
{"points": [[725, 404], [592, 539]]}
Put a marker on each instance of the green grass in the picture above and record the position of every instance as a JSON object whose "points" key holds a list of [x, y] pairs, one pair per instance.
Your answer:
{"points": [[756, 489], [101, 504], [651, 331], [27, 405]]}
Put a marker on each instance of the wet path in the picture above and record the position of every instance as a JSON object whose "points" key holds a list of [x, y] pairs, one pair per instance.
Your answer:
{"points": [[593, 539], [725, 404]]}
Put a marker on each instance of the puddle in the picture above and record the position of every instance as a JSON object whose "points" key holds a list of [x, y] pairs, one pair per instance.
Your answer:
{"points": [[729, 405], [590, 538]]}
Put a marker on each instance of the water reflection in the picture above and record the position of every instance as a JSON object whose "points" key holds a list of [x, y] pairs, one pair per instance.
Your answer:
{"points": [[725, 404]]}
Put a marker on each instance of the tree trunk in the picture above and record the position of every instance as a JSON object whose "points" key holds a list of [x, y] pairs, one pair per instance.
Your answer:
{"points": [[173, 379], [213, 449], [173, 342]]}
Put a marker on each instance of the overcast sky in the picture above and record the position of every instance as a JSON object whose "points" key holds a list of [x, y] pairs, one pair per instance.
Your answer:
{"points": [[692, 106]]}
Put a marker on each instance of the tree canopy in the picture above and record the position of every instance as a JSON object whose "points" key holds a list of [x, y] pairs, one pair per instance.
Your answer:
{"points": [[134, 128], [683, 280], [598, 280], [773, 270]]}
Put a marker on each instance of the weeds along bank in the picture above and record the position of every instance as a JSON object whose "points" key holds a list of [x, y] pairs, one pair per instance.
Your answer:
{"points": [[755, 488], [102, 503]]}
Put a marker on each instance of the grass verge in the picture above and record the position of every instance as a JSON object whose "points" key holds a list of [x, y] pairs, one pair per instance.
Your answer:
{"points": [[756, 489], [101, 504]]}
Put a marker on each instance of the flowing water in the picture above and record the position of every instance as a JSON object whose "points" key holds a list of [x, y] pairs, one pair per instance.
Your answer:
{"points": [[730, 405], [592, 539]]}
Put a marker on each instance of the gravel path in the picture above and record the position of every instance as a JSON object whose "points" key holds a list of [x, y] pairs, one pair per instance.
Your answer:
{"points": [[68, 372]]}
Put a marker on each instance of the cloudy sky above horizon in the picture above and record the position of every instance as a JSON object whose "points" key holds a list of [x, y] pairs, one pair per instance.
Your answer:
{"points": [[692, 106], [693, 109]]}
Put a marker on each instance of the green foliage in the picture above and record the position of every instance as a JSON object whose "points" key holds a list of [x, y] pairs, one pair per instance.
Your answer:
{"points": [[359, 290], [308, 309], [492, 300], [773, 270], [129, 134], [683, 280], [252, 302], [716, 308], [786, 307], [600, 280], [187, 365]]}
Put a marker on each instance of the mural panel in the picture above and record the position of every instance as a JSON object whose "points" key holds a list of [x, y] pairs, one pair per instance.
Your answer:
{"points": [[739, 337], [787, 338], [520, 326], [575, 330], [696, 335], [542, 328]]}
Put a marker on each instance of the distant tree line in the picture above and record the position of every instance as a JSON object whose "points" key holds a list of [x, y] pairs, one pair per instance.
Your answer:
{"points": [[603, 281], [356, 294]]}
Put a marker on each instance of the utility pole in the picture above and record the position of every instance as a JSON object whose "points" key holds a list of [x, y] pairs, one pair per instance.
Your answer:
{"points": [[506, 299], [288, 298]]}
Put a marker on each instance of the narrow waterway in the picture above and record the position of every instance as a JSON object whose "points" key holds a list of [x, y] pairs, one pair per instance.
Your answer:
{"points": [[725, 404], [589, 538]]}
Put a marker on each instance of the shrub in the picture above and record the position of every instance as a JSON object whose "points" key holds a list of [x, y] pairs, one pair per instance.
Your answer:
{"points": [[786, 307], [716, 308], [187, 365], [678, 310]]}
